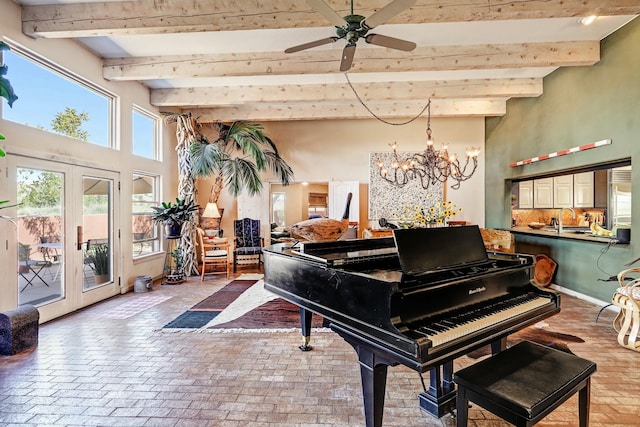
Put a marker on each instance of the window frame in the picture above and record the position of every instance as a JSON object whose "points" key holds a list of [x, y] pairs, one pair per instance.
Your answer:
{"points": [[156, 142], [74, 78], [156, 238]]}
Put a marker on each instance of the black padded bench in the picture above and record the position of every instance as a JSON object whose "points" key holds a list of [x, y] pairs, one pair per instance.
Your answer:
{"points": [[524, 383], [18, 330]]}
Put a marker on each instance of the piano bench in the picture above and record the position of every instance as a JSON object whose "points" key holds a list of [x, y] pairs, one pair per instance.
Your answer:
{"points": [[524, 383]]}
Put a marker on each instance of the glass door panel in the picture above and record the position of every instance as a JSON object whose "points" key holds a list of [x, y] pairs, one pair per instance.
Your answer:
{"points": [[40, 231], [67, 244], [96, 238], [96, 231]]}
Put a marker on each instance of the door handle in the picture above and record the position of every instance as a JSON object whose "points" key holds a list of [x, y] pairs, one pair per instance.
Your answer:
{"points": [[79, 239]]}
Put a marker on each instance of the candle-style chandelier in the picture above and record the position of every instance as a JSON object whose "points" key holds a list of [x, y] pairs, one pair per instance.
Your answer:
{"points": [[431, 166]]}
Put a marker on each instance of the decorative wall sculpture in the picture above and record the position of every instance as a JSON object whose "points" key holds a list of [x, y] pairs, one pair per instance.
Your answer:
{"points": [[388, 201]]}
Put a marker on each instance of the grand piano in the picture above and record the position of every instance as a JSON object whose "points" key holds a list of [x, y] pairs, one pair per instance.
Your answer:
{"points": [[420, 298]]}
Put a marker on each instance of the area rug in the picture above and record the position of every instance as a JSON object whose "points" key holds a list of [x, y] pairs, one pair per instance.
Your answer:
{"points": [[242, 306], [537, 333]]}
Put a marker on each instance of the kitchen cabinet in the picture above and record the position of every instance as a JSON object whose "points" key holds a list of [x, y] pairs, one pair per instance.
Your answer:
{"points": [[563, 191], [543, 193], [525, 195], [583, 190]]}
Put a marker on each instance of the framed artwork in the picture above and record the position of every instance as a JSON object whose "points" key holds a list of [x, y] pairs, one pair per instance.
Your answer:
{"points": [[387, 200]]}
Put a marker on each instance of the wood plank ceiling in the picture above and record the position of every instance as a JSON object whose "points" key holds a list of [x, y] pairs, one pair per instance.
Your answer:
{"points": [[225, 60]]}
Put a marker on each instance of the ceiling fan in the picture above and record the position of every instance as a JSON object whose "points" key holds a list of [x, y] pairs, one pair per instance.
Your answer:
{"points": [[353, 27]]}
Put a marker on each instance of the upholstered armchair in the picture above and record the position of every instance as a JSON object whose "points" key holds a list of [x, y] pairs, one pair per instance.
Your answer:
{"points": [[247, 242]]}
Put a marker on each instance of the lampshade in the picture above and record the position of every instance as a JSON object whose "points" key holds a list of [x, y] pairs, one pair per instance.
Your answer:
{"points": [[211, 211]]}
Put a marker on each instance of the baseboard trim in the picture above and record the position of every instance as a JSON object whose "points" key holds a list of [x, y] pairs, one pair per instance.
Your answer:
{"points": [[605, 304]]}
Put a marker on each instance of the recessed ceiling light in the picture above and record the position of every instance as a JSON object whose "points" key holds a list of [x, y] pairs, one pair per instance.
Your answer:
{"points": [[588, 20]]}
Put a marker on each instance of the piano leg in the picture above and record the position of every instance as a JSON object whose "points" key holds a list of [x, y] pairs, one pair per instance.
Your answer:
{"points": [[305, 321], [441, 397], [498, 345], [373, 373]]}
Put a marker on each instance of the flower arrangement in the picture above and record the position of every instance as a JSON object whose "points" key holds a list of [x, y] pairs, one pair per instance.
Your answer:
{"points": [[435, 215]]}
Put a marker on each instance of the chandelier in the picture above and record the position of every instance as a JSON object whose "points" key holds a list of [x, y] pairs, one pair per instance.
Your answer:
{"points": [[430, 166]]}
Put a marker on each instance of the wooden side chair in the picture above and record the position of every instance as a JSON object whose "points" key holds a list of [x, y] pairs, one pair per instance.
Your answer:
{"points": [[627, 297], [213, 254], [248, 243]]}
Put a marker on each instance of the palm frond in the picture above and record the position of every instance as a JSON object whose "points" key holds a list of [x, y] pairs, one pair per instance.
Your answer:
{"points": [[249, 139], [206, 159], [279, 166], [239, 174]]}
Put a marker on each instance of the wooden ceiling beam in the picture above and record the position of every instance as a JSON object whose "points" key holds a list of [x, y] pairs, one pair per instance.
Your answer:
{"points": [[367, 60], [378, 91], [350, 110], [176, 16]]}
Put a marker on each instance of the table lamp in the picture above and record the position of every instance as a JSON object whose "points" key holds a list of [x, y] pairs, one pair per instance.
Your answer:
{"points": [[212, 211]]}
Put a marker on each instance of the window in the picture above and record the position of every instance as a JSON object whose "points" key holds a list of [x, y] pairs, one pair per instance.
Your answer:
{"points": [[145, 233], [278, 209], [53, 99], [145, 134]]}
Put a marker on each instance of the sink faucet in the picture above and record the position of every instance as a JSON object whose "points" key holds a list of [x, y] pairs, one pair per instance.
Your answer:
{"points": [[573, 215]]}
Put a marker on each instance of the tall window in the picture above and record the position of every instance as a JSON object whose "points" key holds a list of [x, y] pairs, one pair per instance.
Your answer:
{"points": [[278, 209], [55, 100], [145, 234], [145, 134]]}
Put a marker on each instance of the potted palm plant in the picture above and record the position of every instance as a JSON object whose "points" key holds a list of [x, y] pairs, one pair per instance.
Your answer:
{"points": [[236, 158], [173, 216]]}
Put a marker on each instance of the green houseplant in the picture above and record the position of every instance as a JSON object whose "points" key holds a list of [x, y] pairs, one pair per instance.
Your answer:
{"points": [[100, 257], [6, 91], [175, 273], [174, 215]]}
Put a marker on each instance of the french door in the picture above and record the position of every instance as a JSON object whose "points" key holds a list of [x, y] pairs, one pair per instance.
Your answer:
{"points": [[67, 233]]}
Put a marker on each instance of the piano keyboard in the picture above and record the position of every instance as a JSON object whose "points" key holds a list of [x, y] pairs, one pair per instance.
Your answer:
{"points": [[462, 324]]}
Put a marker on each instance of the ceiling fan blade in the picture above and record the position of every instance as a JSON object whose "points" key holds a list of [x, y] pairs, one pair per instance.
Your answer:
{"points": [[347, 57], [329, 14], [390, 42], [309, 45], [388, 12]]}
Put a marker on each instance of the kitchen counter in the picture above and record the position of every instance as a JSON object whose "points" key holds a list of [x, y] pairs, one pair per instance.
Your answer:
{"points": [[568, 233]]}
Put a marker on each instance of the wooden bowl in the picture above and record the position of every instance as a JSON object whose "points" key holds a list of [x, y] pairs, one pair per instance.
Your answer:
{"points": [[536, 225]]}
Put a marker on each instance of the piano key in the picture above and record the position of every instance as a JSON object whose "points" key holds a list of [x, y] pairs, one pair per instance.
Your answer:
{"points": [[440, 338]]}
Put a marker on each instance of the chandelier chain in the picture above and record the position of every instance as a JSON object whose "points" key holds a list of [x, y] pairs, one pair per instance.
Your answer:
{"points": [[380, 118]]}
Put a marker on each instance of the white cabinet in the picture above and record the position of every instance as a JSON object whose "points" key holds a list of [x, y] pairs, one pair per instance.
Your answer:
{"points": [[543, 193], [525, 195], [583, 190], [563, 191]]}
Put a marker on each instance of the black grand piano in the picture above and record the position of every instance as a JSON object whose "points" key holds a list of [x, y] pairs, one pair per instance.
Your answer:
{"points": [[420, 298]]}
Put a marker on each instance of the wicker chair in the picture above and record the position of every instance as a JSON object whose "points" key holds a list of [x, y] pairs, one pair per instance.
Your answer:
{"points": [[627, 297], [213, 255]]}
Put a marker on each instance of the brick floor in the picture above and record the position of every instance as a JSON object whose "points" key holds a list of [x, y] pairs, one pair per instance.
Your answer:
{"points": [[91, 370]]}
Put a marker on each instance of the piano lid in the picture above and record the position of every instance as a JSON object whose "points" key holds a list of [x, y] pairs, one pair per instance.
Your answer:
{"points": [[422, 250]]}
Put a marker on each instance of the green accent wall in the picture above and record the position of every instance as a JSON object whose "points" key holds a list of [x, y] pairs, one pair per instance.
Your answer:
{"points": [[579, 105]]}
